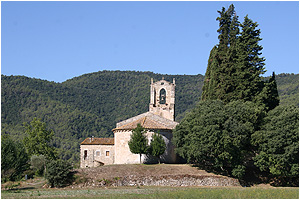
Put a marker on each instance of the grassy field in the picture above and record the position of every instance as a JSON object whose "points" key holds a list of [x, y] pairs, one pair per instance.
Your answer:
{"points": [[156, 193]]}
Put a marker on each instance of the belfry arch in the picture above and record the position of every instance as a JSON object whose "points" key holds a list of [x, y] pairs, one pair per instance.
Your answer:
{"points": [[162, 99], [162, 96]]}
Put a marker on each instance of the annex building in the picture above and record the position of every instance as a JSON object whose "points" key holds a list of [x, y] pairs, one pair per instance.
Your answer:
{"points": [[160, 119]]}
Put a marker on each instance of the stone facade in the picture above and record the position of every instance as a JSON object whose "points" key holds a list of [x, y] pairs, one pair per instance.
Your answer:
{"points": [[95, 152], [159, 119], [124, 156]]}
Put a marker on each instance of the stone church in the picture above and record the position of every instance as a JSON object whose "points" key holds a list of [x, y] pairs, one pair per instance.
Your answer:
{"points": [[160, 119]]}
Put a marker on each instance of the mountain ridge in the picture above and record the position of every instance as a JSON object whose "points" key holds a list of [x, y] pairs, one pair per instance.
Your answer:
{"points": [[91, 104]]}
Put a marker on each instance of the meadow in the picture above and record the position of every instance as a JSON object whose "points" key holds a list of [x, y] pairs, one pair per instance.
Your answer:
{"points": [[144, 192]]}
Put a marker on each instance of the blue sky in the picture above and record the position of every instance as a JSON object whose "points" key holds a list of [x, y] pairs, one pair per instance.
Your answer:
{"points": [[57, 41]]}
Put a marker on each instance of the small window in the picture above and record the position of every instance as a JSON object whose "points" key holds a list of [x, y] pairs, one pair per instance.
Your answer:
{"points": [[107, 153], [85, 155], [97, 153]]}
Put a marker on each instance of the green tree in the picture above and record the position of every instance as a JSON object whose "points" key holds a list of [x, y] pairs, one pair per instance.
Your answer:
{"points": [[277, 145], [38, 138], [14, 159], [216, 136], [157, 146], [59, 173], [138, 143]]}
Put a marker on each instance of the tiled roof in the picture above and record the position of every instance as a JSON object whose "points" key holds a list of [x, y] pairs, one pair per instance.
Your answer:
{"points": [[104, 141], [147, 121]]}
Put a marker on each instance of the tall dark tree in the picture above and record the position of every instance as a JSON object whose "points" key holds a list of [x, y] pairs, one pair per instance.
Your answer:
{"points": [[235, 64], [249, 63], [211, 76], [138, 143], [219, 77]]}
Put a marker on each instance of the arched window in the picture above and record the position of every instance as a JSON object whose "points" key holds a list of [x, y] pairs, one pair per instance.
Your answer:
{"points": [[162, 96]]}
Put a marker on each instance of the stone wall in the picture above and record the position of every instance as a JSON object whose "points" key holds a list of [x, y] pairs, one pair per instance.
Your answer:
{"points": [[171, 180], [179, 180]]}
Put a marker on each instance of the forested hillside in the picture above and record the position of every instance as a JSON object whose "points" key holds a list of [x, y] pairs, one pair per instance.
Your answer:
{"points": [[288, 88], [91, 104]]}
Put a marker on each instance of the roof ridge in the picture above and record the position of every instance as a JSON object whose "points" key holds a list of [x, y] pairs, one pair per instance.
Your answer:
{"points": [[157, 122], [126, 124]]}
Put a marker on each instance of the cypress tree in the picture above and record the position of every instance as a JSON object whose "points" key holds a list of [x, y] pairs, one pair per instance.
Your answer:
{"points": [[249, 63], [235, 64], [219, 83], [211, 76], [273, 99]]}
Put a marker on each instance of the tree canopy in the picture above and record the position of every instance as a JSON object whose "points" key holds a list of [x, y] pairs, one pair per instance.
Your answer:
{"points": [[38, 138], [216, 136], [277, 145]]}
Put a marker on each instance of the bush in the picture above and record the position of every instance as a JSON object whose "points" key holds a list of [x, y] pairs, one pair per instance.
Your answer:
{"points": [[59, 173], [277, 145], [37, 163]]}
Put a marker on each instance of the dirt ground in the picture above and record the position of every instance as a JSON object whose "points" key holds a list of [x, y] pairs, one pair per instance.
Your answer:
{"points": [[112, 171]]}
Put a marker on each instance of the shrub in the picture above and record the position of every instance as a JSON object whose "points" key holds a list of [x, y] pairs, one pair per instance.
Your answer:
{"points": [[37, 163], [59, 173]]}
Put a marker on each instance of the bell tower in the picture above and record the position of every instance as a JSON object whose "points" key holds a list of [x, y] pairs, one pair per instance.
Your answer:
{"points": [[162, 98]]}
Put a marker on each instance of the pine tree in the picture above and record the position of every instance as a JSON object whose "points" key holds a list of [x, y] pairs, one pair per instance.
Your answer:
{"points": [[138, 143]]}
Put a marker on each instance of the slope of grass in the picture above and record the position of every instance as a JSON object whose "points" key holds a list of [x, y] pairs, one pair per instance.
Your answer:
{"points": [[157, 193]]}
